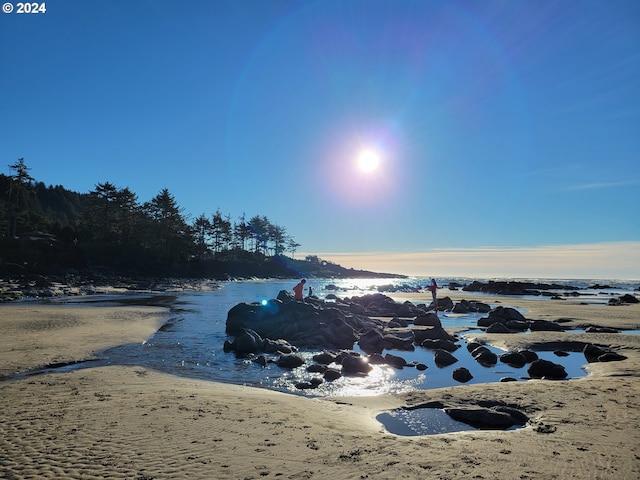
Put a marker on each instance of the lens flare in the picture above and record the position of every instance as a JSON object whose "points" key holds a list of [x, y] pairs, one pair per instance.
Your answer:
{"points": [[368, 161]]}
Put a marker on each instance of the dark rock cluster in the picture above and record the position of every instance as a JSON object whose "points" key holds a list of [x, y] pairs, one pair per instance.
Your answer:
{"points": [[376, 323]]}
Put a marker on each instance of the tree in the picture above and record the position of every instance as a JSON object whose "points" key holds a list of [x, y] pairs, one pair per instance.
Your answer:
{"points": [[292, 246], [277, 235], [170, 228], [202, 230], [241, 232], [19, 187], [101, 210], [259, 228], [221, 232]]}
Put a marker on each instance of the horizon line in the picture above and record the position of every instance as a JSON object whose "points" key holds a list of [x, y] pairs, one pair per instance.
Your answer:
{"points": [[602, 260]]}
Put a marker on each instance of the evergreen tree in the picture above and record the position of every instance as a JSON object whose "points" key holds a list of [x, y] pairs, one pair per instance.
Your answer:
{"points": [[20, 188]]}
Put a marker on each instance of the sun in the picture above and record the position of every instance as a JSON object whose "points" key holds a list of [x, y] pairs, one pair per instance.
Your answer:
{"points": [[368, 161]]}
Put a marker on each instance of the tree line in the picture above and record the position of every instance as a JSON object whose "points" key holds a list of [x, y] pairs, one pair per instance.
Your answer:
{"points": [[110, 226]]}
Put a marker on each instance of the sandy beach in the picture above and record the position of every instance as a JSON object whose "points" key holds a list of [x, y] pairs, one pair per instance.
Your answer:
{"points": [[133, 423]]}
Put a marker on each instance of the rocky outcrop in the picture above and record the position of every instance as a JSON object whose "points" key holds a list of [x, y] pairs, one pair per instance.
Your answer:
{"points": [[516, 288]]}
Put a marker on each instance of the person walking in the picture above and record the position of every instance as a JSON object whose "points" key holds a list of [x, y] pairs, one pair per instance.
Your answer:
{"points": [[433, 289]]}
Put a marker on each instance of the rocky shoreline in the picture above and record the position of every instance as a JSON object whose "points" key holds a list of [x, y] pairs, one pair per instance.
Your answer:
{"points": [[274, 331]]}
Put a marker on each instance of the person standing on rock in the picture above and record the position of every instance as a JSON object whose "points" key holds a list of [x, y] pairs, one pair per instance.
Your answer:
{"points": [[433, 288], [298, 289]]}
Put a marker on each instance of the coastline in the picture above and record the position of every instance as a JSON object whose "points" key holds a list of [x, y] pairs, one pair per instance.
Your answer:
{"points": [[131, 422]]}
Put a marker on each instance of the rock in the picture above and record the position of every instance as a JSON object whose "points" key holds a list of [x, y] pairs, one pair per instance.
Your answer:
{"points": [[611, 357], [430, 319], [290, 360], [261, 360], [484, 356], [545, 326], [486, 418], [331, 374], [317, 368], [398, 323], [461, 307], [444, 358], [498, 327], [471, 346], [421, 367], [325, 358], [376, 359], [371, 342], [395, 361], [248, 342], [547, 370], [306, 385], [514, 288], [529, 355], [508, 379], [595, 329], [447, 345], [507, 313], [595, 353], [277, 346], [517, 325], [515, 359], [462, 375], [628, 298], [560, 353], [434, 333], [355, 365], [399, 340]]}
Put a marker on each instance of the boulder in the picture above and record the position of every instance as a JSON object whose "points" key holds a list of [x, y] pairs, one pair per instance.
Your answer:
{"points": [[462, 375], [443, 358], [596, 353], [447, 345], [371, 342], [399, 340], [548, 370], [515, 359], [355, 365], [248, 342], [395, 361], [433, 333], [529, 355], [331, 374], [430, 319], [487, 418], [507, 313], [545, 326], [484, 356], [290, 360], [325, 358], [498, 327]]}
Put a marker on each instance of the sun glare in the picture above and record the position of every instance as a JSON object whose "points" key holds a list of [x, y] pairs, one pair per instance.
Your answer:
{"points": [[368, 161]]}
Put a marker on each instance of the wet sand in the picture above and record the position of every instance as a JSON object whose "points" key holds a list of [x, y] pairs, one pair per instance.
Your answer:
{"points": [[129, 422]]}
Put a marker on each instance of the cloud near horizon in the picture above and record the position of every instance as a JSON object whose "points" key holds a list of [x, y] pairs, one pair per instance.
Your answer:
{"points": [[611, 260]]}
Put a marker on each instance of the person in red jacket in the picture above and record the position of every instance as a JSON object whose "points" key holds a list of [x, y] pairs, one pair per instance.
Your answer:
{"points": [[298, 289], [433, 289]]}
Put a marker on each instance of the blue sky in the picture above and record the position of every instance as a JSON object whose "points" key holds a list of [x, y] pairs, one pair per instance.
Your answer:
{"points": [[503, 129]]}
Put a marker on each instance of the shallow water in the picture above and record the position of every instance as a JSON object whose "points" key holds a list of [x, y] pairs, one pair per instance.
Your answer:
{"points": [[191, 345]]}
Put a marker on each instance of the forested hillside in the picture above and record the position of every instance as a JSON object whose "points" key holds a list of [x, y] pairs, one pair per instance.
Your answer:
{"points": [[46, 229]]}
